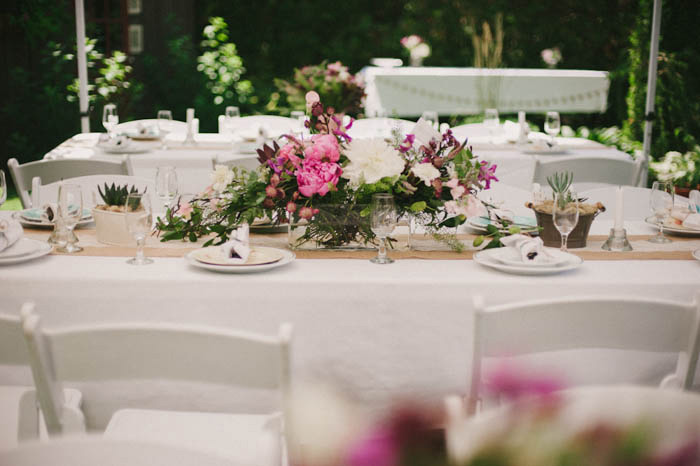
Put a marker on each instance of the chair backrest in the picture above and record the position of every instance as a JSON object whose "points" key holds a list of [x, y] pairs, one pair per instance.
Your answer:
{"points": [[50, 171], [94, 450], [122, 352], [88, 185], [193, 172], [635, 199], [274, 124], [249, 162], [129, 126], [379, 127], [590, 172], [575, 323]]}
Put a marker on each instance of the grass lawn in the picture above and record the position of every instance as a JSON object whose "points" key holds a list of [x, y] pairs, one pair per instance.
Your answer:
{"points": [[12, 203]]}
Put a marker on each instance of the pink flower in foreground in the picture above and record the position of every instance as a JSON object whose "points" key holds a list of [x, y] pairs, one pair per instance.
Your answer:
{"points": [[487, 173], [469, 206], [311, 98], [323, 147], [185, 211], [316, 177], [291, 207], [306, 213], [506, 381], [378, 448]]}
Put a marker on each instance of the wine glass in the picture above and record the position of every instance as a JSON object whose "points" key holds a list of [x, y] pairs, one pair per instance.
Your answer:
{"points": [[3, 188], [552, 125], [138, 215], [230, 115], [565, 214], [661, 203], [166, 184], [431, 116], [491, 121], [110, 118], [70, 211], [165, 121], [383, 222]]}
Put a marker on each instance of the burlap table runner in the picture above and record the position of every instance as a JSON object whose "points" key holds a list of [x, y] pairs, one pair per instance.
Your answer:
{"points": [[427, 248]]}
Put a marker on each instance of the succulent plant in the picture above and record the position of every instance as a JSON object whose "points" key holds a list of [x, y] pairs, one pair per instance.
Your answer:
{"points": [[116, 195], [560, 182]]}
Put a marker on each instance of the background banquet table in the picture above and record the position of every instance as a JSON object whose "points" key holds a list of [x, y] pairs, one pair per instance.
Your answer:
{"points": [[380, 331]]}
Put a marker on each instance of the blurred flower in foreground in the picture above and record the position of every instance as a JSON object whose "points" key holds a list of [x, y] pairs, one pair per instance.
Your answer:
{"points": [[551, 57]]}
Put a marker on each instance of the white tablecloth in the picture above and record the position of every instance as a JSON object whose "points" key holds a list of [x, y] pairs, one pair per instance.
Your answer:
{"points": [[380, 331], [409, 91]]}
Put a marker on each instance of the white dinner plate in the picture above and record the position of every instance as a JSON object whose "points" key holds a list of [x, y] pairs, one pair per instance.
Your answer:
{"points": [[287, 257], [696, 254], [487, 258], [675, 229], [510, 256], [25, 249]]}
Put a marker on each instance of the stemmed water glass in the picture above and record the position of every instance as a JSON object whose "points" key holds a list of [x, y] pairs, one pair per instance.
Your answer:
{"points": [[138, 214], [383, 221], [3, 188], [70, 211], [661, 203], [491, 121], [110, 118], [165, 121], [166, 184], [565, 214], [552, 125]]}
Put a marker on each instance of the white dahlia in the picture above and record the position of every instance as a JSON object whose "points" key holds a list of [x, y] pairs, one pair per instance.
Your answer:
{"points": [[426, 172], [370, 160]]}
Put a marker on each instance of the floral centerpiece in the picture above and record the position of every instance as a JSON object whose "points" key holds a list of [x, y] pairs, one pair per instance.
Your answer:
{"points": [[327, 181], [337, 87], [418, 49]]}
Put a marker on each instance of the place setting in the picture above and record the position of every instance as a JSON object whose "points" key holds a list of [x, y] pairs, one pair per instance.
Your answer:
{"points": [[112, 143]]}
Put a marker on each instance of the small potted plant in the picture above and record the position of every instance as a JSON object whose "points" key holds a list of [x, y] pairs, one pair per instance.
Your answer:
{"points": [[109, 216], [560, 184]]}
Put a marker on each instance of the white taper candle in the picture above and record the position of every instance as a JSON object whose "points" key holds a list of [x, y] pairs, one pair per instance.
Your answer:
{"points": [[619, 209]]}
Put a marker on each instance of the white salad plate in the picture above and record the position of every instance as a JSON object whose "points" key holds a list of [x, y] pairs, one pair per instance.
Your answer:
{"points": [[673, 229], [33, 218], [489, 258], [510, 256], [696, 254], [25, 249], [197, 258]]}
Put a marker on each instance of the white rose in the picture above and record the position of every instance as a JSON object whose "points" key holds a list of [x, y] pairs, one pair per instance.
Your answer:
{"points": [[421, 51], [221, 178], [426, 172], [370, 161]]}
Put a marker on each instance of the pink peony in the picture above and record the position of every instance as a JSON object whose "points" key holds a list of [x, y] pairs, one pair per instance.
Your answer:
{"points": [[317, 177], [323, 146]]}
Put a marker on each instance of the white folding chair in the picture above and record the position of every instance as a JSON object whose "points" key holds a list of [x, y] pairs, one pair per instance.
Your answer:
{"points": [[635, 199], [21, 420], [379, 127], [590, 172], [577, 323], [193, 173], [94, 451], [50, 171], [274, 125], [132, 126], [123, 352], [89, 184]]}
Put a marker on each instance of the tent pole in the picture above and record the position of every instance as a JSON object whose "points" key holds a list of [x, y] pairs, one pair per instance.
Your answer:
{"points": [[82, 66], [651, 89]]}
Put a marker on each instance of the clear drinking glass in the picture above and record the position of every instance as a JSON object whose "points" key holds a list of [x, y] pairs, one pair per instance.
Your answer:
{"points": [[565, 214], [300, 117], [230, 115], [383, 221], [165, 122], [110, 118], [552, 124], [661, 203], [491, 121], [70, 211], [166, 184], [431, 116], [138, 215], [3, 188]]}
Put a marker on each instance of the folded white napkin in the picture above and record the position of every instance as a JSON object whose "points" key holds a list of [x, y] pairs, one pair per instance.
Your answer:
{"points": [[531, 250], [680, 213], [10, 232], [503, 214], [237, 249], [692, 221]]}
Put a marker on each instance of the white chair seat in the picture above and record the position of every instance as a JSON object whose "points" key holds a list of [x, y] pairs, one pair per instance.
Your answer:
{"points": [[21, 419], [246, 439]]}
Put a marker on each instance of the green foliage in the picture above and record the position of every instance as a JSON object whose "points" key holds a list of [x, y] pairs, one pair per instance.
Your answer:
{"points": [[116, 195], [222, 66], [560, 182], [681, 169]]}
